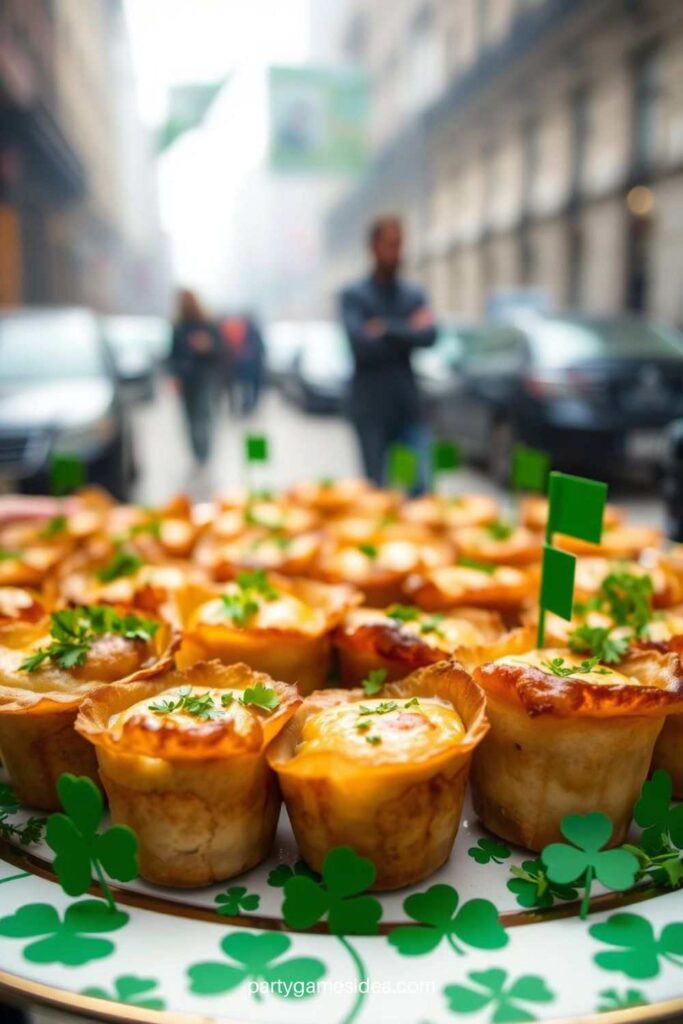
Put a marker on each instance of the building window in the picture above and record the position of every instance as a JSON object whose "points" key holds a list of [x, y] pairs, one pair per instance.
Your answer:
{"points": [[580, 118], [648, 87]]}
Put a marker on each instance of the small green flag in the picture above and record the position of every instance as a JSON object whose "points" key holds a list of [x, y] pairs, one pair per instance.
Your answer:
{"points": [[403, 467], [256, 448], [530, 469], [576, 506], [67, 474], [445, 456], [557, 583]]}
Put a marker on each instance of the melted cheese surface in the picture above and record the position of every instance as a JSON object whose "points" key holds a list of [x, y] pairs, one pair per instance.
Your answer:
{"points": [[444, 634], [600, 676], [459, 579], [285, 612], [399, 735], [235, 714]]}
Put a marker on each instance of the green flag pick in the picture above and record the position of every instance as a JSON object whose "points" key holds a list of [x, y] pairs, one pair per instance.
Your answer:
{"points": [[66, 472], [530, 469], [576, 507], [403, 467], [445, 456], [557, 583], [256, 448]]}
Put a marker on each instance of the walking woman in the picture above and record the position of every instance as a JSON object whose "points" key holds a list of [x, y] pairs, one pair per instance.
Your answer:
{"points": [[196, 357]]}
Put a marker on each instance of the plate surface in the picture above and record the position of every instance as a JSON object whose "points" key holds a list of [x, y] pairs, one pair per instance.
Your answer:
{"points": [[169, 952]]}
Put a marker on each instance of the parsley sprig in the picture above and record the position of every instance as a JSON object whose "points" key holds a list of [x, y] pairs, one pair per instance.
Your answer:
{"points": [[74, 630], [54, 527], [30, 831], [599, 642], [243, 604], [204, 706], [408, 613], [374, 681], [123, 563], [369, 550], [471, 563], [558, 667], [498, 530]]}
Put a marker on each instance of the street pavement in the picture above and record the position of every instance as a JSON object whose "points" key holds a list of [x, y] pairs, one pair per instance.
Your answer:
{"points": [[301, 446]]}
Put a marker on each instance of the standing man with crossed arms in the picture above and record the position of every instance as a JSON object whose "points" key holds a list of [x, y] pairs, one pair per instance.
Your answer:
{"points": [[385, 318]]}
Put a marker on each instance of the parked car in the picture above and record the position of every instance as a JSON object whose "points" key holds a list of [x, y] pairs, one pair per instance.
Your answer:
{"points": [[436, 368], [139, 344], [595, 393], [60, 393], [320, 370], [283, 339]]}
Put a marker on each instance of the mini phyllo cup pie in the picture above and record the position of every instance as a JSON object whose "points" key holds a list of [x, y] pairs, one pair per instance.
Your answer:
{"points": [[658, 659], [181, 758], [385, 775], [40, 695], [275, 624], [567, 736], [403, 638]]}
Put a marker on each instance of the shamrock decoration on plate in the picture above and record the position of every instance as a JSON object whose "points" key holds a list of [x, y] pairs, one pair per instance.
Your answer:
{"points": [[338, 896], [489, 849], [585, 859], [283, 872], [613, 1000], [68, 941], [236, 900], [491, 991], [533, 888], [639, 950], [475, 924], [80, 848], [256, 956], [130, 990], [662, 824]]}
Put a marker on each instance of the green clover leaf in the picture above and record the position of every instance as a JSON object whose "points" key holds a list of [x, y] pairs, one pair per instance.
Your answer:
{"points": [[639, 949], [235, 900], [79, 848], [533, 888], [655, 815], [613, 1000], [9, 801], [345, 876], [283, 872], [128, 989], [504, 1001], [476, 923], [64, 941], [489, 849], [258, 957], [585, 859]]}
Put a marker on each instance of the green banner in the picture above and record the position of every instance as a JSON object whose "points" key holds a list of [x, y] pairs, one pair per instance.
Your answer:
{"points": [[318, 120]]}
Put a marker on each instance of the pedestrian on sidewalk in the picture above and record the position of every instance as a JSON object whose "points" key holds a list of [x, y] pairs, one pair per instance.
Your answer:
{"points": [[385, 318], [196, 363]]}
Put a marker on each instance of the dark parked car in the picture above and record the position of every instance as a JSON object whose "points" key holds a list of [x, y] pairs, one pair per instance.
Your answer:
{"points": [[596, 394], [60, 393], [139, 344]]}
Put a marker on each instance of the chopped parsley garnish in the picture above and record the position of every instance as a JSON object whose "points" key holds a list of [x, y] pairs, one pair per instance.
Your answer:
{"points": [[627, 599], [368, 549], [53, 527], [374, 740], [413, 702], [499, 530], [374, 681], [252, 519], [123, 563], [432, 624], [8, 554], [30, 831], [74, 630], [363, 725], [243, 604], [151, 526], [403, 612], [204, 707], [599, 642], [472, 563], [558, 667], [383, 708]]}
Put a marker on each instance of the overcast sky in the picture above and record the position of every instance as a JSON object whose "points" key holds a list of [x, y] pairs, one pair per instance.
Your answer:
{"points": [[201, 40]]}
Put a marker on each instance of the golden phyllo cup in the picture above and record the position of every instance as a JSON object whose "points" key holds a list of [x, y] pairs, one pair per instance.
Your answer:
{"points": [[287, 632], [568, 743], [659, 661], [197, 791], [402, 814], [38, 709]]}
